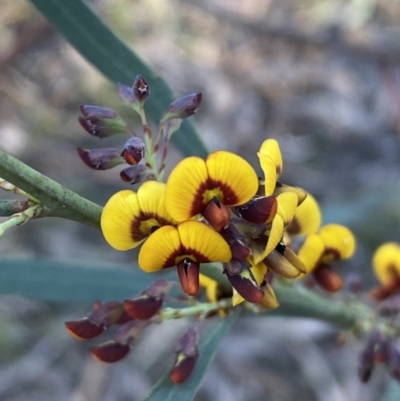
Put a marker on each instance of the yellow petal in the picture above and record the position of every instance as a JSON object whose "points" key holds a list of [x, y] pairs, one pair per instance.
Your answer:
{"points": [[236, 298], [311, 251], [386, 262], [287, 205], [271, 163], [259, 270], [307, 218], [185, 188], [232, 176], [339, 241], [151, 197], [278, 264], [161, 249], [202, 243], [270, 175], [118, 215], [211, 287], [274, 237]]}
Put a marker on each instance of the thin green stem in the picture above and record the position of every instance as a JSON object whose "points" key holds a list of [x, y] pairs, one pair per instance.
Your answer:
{"points": [[61, 201], [198, 309]]}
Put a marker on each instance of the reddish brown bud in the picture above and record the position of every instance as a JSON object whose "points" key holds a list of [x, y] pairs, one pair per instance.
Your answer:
{"points": [[143, 307], [217, 214], [90, 111], [100, 159], [182, 108], [110, 352], [261, 209], [187, 351], [133, 150], [246, 285], [386, 290], [134, 174], [188, 273], [83, 329], [183, 367], [328, 278], [140, 89], [239, 249]]}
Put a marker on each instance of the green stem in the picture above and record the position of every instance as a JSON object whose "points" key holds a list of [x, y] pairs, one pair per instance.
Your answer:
{"points": [[198, 309], [61, 201]]}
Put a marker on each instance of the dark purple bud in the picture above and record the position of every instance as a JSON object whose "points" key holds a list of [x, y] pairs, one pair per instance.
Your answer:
{"points": [[394, 363], [134, 174], [102, 122], [140, 89], [182, 108], [133, 150], [365, 364], [83, 329], [129, 331], [90, 111], [101, 159], [187, 351], [107, 313], [126, 93]]}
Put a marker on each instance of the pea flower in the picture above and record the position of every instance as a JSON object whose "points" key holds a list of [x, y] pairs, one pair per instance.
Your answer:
{"points": [[386, 264], [331, 243], [207, 187], [130, 217]]}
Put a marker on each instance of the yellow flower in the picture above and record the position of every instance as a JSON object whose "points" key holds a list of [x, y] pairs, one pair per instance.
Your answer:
{"points": [[386, 262], [184, 246], [129, 217], [332, 242], [223, 177]]}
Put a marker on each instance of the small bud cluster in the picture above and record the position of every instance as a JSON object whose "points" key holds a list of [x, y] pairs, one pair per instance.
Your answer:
{"points": [[133, 316], [102, 122]]}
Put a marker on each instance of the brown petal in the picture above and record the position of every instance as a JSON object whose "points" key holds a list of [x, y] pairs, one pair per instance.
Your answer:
{"points": [[188, 273]]}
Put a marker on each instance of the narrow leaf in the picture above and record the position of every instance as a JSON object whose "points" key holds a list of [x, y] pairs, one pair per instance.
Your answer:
{"points": [[101, 47], [165, 390], [71, 281]]}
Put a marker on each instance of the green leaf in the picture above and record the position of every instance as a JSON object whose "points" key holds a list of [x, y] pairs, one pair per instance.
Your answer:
{"points": [[71, 281], [165, 390], [100, 46]]}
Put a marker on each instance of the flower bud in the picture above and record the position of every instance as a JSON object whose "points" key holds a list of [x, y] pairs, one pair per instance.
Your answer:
{"points": [[133, 150], [126, 93], [260, 209], [100, 159], [188, 273], [149, 302], [244, 281], [110, 351], [101, 121], [281, 266], [182, 108], [187, 351], [217, 214], [83, 329], [134, 174], [140, 89], [328, 278]]}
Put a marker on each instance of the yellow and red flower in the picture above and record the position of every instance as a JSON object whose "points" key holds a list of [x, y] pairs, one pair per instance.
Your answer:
{"points": [[207, 187], [331, 243], [386, 264]]}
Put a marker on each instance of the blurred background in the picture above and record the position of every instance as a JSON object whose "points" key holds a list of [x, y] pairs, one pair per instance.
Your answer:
{"points": [[322, 77]]}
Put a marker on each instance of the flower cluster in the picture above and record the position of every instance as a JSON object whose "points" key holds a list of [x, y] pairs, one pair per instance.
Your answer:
{"points": [[214, 211]]}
